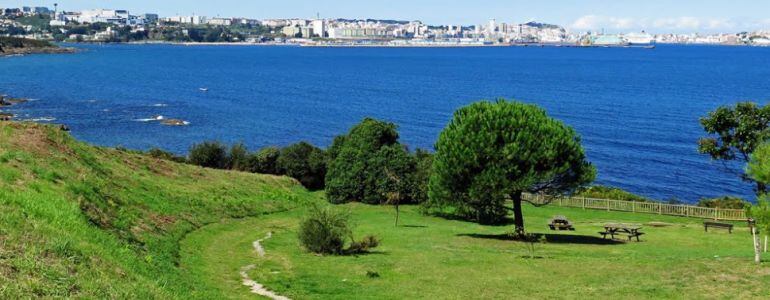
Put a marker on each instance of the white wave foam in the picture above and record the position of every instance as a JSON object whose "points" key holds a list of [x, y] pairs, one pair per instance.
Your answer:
{"points": [[43, 119], [155, 118]]}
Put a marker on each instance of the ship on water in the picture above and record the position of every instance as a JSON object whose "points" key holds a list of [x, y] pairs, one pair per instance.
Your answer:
{"points": [[642, 39], [639, 39]]}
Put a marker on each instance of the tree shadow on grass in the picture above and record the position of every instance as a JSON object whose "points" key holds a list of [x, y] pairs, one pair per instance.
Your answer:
{"points": [[550, 238], [413, 226], [507, 221], [365, 253]]}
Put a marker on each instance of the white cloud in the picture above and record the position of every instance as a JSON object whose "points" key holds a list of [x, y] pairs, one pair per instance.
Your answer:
{"points": [[592, 22], [680, 23], [676, 24]]}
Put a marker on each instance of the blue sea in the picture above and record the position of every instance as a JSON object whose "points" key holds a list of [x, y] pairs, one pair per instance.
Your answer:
{"points": [[636, 109]]}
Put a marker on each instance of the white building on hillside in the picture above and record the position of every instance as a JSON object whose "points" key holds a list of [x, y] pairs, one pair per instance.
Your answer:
{"points": [[319, 27], [220, 22], [117, 17]]}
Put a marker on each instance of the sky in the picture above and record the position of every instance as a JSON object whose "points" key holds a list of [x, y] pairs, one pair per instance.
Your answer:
{"points": [[655, 16]]}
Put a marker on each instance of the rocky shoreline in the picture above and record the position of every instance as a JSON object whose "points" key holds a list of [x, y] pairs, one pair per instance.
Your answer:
{"points": [[6, 101], [28, 51]]}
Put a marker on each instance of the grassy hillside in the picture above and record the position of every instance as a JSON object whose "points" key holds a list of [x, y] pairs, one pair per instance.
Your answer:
{"points": [[82, 221]]}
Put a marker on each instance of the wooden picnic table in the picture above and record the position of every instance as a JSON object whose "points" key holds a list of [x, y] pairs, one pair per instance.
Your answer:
{"points": [[560, 223], [613, 229]]}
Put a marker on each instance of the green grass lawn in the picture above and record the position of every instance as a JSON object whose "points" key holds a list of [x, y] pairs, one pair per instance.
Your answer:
{"points": [[435, 258]]}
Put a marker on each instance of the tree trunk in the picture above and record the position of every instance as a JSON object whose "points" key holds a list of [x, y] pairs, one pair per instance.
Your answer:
{"points": [[757, 250], [396, 214], [518, 217], [765, 244]]}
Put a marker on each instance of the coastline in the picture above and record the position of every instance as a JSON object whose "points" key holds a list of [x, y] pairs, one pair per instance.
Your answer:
{"points": [[388, 45], [30, 51]]}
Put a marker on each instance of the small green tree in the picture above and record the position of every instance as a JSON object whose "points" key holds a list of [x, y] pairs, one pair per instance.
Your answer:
{"points": [[758, 169], [734, 134], [761, 215], [358, 163], [209, 155], [493, 151], [423, 165], [395, 185]]}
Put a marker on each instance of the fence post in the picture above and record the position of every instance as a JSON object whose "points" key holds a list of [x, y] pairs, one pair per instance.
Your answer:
{"points": [[716, 214], [608, 204], [584, 202], [687, 211], [633, 206], [660, 208]]}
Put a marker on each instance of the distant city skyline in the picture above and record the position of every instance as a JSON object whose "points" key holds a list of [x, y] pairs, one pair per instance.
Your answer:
{"points": [[655, 16]]}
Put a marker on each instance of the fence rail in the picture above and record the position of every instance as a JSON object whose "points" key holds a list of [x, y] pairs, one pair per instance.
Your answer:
{"points": [[643, 207]]}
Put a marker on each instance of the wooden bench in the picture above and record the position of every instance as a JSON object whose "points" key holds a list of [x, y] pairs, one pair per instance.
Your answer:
{"points": [[560, 223], [718, 225]]}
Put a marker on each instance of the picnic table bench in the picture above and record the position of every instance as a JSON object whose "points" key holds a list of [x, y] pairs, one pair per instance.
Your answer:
{"points": [[632, 231], [560, 223], [719, 225]]}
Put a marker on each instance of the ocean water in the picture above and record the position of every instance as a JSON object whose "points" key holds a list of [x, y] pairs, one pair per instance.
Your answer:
{"points": [[636, 109]]}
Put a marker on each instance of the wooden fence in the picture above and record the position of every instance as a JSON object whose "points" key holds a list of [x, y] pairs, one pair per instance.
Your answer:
{"points": [[643, 207]]}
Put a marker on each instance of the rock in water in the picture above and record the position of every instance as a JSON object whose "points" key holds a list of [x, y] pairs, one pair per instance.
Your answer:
{"points": [[16, 100], [174, 122]]}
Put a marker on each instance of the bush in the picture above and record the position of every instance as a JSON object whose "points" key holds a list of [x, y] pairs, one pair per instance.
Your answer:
{"points": [[324, 230], [238, 157], [209, 155], [165, 155], [305, 163], [264, 161], [367, 243], [724, 202], [605, 192]]}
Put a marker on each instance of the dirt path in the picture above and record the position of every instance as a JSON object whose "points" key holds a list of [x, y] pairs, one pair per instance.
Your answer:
{"points": [[256, 287]]}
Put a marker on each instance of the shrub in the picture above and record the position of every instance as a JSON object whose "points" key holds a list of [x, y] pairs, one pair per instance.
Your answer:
{"points": [[209, 155], [605, 192], [724, 202], [324, 230], [264, 161], [165, 155], [305, 163], [238, 157], [367, 243]]}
